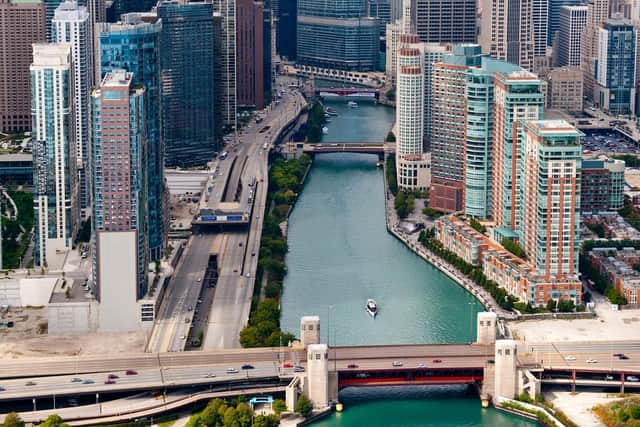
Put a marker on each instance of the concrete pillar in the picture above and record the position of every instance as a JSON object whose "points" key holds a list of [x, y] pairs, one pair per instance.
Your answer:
{"points": [[486, 327], [318, 374], [309, 330], [506, 380]]}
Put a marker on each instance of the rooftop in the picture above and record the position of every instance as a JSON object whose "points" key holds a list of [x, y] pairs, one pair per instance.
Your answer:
{"points": [[117, 78]]}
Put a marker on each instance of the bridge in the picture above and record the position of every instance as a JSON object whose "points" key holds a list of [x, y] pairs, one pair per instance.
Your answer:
{"points": [[377, 148], [498, 368], [349, 92]]}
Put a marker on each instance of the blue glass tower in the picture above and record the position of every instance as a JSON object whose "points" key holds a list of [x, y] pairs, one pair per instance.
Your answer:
{"points": [[188, 82], [133, 45]]}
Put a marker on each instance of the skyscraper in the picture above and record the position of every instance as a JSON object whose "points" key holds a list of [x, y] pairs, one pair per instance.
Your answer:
{"points": [[188, 82], [550, 214], [227, 9], [22, 23], [350, 39], [133, 45], [518, 96], [51, 6], [120, 204], [540, 27], [597, 13], [616, 83], [433, 53], [446, 21], [391, 58], [55, 193], [555, 10], [71, 24], [512, 32], [411, 161], [286, 32], [571, 25], [250, 54]]}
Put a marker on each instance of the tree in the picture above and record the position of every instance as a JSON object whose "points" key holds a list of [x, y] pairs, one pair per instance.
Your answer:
{"points": [[623, 416], [475, 224], [391, 137], [53, 421], [513, 247], [244, 414], [551, 305], [279, 406], [304, 406], [231, 417], [266, 421], [212, 415], [565, 306], [634, 411], [12, 420]]}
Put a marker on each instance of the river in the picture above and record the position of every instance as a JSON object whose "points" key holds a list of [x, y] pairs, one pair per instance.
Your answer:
{"points": [[340, 254]]}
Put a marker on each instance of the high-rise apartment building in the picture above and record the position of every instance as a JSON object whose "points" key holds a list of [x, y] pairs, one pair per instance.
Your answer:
{"points": [[22, 23], [227, 9], [550, 215], [120, 225], [555, 11], [50, 6], [512, 32], [55, 193], [597, 13], [350, 39], [602, 185], [250, 54], [518, 96], [71, 24], [411, 162], [446, 21], [391, 58], [188, 82], [616, 83], [433, 53], [572, 22], [133, 44]]}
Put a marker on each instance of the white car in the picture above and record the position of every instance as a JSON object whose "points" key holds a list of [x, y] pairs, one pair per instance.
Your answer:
{"points": [[633, 379], [592, 361], [232, 371], [397, 363], [570, 358]]}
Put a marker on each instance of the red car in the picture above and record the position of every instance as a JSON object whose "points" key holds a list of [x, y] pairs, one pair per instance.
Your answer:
{"points": [[109, 382], [131, 372], [437, 361], [352, 366], [113, 376], [287, 365]]}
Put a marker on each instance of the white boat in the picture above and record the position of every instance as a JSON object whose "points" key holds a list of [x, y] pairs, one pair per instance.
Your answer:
{"points": [[372, 307], [352, 104], [325, 130]]}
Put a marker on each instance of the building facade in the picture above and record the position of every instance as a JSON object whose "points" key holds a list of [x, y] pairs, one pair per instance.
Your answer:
{"points": [[250, 54], [512, 32], [555, 17], [597, 13], [71, 24], [22, 23], [602, 185], [55, 193], [286, 31], [350, 39], [565, 88], [616, 84], [120, 201], [433, 53], [572, 22], [446, 21], [133, 45], [227, 10]]}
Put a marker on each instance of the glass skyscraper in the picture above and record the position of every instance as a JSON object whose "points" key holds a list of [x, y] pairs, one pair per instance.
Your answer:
{"points": [[188, 82], [132, 45], [349, 39]]}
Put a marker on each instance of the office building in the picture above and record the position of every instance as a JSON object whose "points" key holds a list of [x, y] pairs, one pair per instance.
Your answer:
{"points": [[50, 6], [350, 39], [227, 10], [412, 163], [120, 7], [446, 21], [597, 13], [250, 54], [188, 83], [393, 32], [22, 23], [572, 22], [512, 32], [550, 215], [71, 24], [55, 193], [286, 31], [133, 44], [381, 10], [616, 83], [602, 185], [268, 53], [565, 88], [120, 228], [518, 96], [555, 13], [540, 29]]}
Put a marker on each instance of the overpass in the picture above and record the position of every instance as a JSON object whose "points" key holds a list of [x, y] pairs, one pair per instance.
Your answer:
{"points": [[377, 148]]}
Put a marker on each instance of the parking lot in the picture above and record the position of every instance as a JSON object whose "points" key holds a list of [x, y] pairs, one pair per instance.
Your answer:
{"points": [[608, 142]]}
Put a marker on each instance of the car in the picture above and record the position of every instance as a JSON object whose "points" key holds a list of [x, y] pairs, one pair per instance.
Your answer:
{"points": [[186, 320], [287, 365], [352, 366], [592, 361], [109, 382], [183, 337], [397, 363], [235, 270], [87, 381], [199, 301], [113, 376], [240, 244], [190, 307], [29, 383], [76, 380], [209, 375], [253, 254], [362, 375], [232, 371], [131, 372], [491, 361], [437, 360], [199, 280], [298, 369], [247, 367], [421, 365], [633, 379], [608, 377], [248, 274], [570, 358], [2, 388], [618, 354], [623, 357]]}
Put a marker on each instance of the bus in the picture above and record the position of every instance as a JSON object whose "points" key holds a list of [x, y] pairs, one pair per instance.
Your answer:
{"points": [[223, 155]]}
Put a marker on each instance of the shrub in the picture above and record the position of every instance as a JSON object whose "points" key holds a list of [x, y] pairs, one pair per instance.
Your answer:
{"points": [[623, 416], [634, 411], [304, 406]]}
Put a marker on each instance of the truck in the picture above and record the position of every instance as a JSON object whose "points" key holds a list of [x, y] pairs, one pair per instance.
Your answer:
{"points": [[223, 155]]}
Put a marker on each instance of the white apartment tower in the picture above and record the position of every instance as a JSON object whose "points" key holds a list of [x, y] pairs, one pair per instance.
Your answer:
{"points": [[512, 32], [393, 32], [54, 157], [597, 13], [411, 161], [572, 22], [71, 24]]}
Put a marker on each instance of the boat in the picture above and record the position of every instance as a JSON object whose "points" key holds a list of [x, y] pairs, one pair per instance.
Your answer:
{"points": [[372, 307], [325, 130], [330, 111], [379, 164], [352, 104]]}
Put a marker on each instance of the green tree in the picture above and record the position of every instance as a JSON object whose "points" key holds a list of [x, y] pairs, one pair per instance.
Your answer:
{"points": [[551, 305], [634, 411], [565, 306], [266, 421], [623, 415], [212, 415], [12, 420], [475, 224], [513, 247], [304, 406], [53, 421], [390, 137], [279, 406], [244, 414]]}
